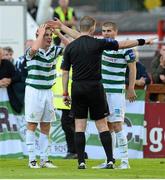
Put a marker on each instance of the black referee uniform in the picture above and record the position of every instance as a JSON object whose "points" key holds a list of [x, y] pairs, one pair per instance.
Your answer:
{"points": [[87, 93], [84, 54]]}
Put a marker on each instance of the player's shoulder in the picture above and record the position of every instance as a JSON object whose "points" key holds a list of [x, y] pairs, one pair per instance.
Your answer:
{"points": [[72, 44]]}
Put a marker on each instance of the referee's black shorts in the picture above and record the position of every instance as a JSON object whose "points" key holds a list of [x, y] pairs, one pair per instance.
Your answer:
{"points": [[89, 96]]}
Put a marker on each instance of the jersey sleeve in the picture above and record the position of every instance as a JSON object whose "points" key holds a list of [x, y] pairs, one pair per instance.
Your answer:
{"points": [[130, 55], [106, 44]]}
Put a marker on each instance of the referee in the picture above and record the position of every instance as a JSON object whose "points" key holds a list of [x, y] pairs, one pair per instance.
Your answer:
{"points": [[84, 55]]}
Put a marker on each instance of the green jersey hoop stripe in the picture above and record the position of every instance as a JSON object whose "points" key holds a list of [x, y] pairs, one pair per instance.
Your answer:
{"points": [[109, 54], [38, 77], [43, 73], [40, 81], [40, 68], [106, 63], [112, 81]]}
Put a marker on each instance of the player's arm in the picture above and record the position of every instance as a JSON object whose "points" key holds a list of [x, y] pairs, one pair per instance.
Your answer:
{"points": [[73, 21], [105, 44], [72, 33], [64, 40], [133, 43], [65, 66], [57, 24], [65, 81], [131, 95], [38, 42]]}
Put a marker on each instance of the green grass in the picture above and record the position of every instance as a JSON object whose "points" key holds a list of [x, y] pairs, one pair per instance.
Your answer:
{"points": [[67, 169]]}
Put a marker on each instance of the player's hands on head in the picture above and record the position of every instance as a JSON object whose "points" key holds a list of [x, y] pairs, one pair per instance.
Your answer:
{"points": [[41, 30]]}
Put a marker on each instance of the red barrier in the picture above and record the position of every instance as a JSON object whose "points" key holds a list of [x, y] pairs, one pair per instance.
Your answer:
{"points": [[155, 130], [160, 31]]}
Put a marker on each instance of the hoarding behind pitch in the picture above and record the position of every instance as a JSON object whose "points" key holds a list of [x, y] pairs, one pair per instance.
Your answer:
{"points": [[155, 130]]}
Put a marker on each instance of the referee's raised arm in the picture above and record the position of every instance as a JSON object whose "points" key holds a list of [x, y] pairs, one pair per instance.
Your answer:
{"points": [[133, 43], [115, 45]]}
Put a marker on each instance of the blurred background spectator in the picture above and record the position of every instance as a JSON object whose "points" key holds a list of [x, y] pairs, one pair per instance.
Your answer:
{"points": [[66, 14], [32, 8], [7, 79], [158, 67], [6, 71], [8, 53], [158, 73], [21, 73]]}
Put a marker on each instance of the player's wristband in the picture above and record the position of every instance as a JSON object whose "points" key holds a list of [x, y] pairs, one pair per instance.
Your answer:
{"points": [[141, 42], [65, 94]]}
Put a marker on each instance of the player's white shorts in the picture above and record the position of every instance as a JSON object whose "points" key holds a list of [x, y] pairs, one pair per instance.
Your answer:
{"points": [[116, 103], [38, 105]]}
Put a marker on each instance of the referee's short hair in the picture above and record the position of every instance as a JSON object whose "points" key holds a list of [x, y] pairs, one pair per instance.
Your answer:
{"points": [[110, 24], [86, 23]]}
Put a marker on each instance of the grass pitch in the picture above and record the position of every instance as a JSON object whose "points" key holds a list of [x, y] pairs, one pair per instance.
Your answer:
{"points": [[67, 169]]}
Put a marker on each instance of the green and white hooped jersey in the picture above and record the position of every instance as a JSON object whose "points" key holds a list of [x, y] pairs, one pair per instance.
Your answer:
{"points": [[114, 65], [41, 67]]}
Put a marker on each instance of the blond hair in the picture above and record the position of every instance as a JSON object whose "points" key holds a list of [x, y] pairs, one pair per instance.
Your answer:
{"points": [[86, 23]]}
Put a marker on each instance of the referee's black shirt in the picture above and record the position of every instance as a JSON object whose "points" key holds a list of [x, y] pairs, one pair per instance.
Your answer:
{"points": [[84, 54]]}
